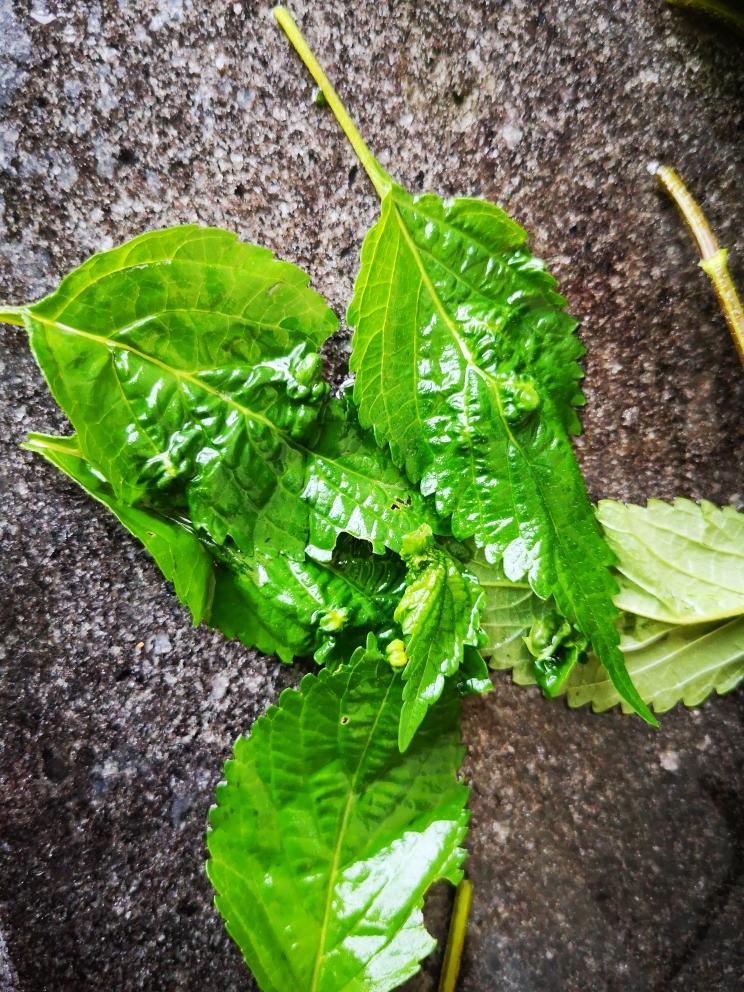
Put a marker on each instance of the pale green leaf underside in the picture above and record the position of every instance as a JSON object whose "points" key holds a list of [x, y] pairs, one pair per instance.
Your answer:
{"points": [[266, 600], [669, 663], [509, 610], [187, 364], [325, 837], [679, 562], [466, 367]]}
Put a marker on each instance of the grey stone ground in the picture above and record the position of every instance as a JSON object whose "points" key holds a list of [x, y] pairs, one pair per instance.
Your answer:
{"points": [[605, 856]]}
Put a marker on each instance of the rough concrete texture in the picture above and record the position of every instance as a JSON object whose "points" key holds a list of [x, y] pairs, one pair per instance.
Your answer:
{"points": [[605, 856]]}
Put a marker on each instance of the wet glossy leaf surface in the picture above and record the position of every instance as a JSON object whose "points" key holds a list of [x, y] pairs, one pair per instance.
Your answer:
{"points": [[267, 600], [466, 366], [325, 837], [439, 615], [187, 364]]}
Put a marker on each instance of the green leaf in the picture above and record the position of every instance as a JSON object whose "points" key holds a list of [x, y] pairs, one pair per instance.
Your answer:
{"points": [[439, 615], [669, 663], [158, 337], [557, 648], [350, 481], [472, 677], [509, 610], [301, 608], [679, 562], [267, 600], [185, 361], [325, 838], [466, 367]]}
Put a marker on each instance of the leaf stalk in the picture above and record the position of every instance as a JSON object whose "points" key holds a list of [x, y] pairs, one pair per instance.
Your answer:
{"points": [[377, 175], [714, 259], [456, 936], [10, 315], [718, 8]]}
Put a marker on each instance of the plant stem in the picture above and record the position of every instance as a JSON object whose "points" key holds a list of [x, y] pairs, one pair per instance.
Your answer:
{"points": [[378, 177], [718, 8], [9, 315], [714, 259], [456, 936]]}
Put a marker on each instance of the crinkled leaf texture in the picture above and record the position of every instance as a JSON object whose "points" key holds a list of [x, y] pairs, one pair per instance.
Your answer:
{"points": [[325, 837], [679, 562], [267, 600], [350, 479], [508, 612], [466, 366], [187, 364], [439, 615], [669, 663]]}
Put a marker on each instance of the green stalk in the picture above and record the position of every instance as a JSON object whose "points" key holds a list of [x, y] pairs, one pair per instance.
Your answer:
{"points": [[714, 259], [456, 936], [11, 315], [378, 177], [718, 8]]}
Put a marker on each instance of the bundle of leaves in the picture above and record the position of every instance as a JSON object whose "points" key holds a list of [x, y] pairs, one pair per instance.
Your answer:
{"points": [[401, 536]]}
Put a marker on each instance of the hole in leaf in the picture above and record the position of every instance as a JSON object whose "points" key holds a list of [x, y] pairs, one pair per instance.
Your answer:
{"points": [[344, 720]]}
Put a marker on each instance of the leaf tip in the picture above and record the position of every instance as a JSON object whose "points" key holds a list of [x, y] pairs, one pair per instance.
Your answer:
{"points": [[406, 731]]}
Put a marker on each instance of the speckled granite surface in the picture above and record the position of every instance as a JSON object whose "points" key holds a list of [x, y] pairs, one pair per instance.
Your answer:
{"points": [[605, 857]]}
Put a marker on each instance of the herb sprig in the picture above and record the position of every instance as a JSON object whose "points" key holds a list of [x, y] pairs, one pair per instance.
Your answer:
{"points": [[466, 367], [400, 536]]}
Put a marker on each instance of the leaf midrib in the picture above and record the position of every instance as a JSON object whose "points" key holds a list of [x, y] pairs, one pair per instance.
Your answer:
{"points": [[613, 662], [291, 442], [490, 382], [320, 954]]}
